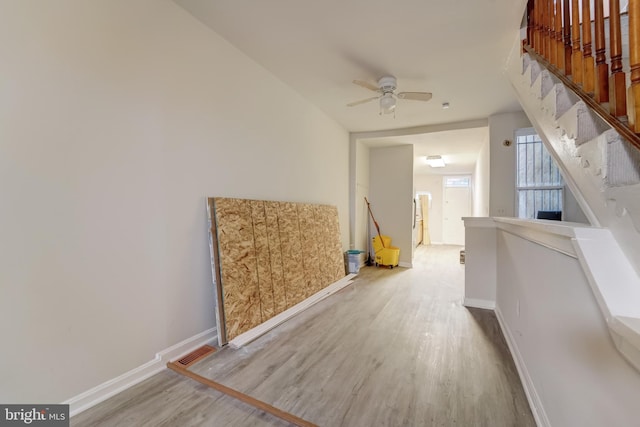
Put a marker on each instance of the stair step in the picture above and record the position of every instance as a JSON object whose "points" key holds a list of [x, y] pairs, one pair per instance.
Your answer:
{"points": [[618, 163]]}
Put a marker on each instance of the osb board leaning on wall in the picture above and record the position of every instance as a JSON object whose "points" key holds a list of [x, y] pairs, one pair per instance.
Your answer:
{"points": [[269, 256]]}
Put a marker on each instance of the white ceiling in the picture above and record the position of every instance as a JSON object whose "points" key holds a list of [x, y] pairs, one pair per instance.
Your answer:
{"points": [[458, 148], [455, 49]]}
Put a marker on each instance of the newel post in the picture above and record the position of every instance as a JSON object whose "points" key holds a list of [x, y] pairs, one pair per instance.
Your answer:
{"points": [[576, 56], [588, 61], [602, 69], [634, 60], [617, 83]]}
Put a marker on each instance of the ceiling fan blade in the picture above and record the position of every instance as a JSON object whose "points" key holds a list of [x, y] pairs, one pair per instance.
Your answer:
{"points": [[353, 104], [416, 96], [366, 85]]}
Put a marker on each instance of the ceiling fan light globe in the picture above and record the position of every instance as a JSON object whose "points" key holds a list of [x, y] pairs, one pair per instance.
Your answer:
{"points": [[387, 104]]}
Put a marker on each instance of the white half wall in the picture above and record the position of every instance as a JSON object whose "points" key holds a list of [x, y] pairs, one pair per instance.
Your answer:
{"points": [[502, 179], [567, 302], [480, 262], [118, 119], [391, 190], [547, 306]]}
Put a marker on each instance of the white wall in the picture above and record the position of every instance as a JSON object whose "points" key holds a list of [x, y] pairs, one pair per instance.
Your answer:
{"points": [[433, 185], [118, 119], [481, 179], [572, 210], [362, 191], [391, 190], [503, 161], [562, 338]]}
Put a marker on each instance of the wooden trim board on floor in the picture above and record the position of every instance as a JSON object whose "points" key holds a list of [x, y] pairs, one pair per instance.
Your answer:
{"points": [[242, 397], [263, 328], [102, 392]]}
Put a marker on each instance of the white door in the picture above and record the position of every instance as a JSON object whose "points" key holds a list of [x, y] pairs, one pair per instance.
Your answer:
{"points": [[457, 203]]}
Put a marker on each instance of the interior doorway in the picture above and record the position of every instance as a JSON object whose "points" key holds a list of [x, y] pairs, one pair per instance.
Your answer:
{"points": [[456, 205]]}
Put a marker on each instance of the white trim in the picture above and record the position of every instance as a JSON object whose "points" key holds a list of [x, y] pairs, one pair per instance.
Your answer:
{"points": [[535, 403], [478, 222], [479, 303], [555, 235], [265, 327], [110, 388], [405, 264]]}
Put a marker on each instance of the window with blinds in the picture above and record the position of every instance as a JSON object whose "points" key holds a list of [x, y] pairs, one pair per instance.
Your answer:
{"points": [[539, 184]]}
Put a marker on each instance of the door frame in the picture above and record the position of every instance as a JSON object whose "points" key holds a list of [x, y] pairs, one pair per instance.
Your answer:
{"points": [[444, 192]]}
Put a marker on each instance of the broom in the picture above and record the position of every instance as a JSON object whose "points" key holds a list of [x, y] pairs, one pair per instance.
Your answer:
{"points": [[374, 222]]}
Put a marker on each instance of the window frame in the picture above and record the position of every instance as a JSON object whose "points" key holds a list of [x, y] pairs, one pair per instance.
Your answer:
{"points": [[524, 132]]}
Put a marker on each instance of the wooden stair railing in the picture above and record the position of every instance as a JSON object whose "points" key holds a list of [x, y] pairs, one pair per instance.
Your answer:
{"points": [[566, 48]]}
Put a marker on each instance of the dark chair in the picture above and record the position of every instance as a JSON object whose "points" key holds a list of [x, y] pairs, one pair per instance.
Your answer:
{"points": [[552, 215]]}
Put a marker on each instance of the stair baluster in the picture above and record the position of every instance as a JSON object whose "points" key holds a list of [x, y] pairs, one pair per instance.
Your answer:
{"points": [[553, 59], [530, 23], [545, 28], [536, 26], [634, 60], [566, 32], [588, 62], [551, 51], [602, 69], [559, 43], [617, 83], [576, 56]]}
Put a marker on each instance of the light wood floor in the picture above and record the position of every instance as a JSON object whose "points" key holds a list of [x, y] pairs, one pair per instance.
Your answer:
{"points": [[396, 348]]}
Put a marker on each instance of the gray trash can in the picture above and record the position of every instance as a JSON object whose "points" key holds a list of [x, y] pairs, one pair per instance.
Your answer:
{"points": [[353, 261]]}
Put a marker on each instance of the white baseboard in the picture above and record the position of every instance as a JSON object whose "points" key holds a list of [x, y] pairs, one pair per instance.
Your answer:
{"points": [[527, 383], [405, 264], [480, 303], [114, 386], [265, 327]]}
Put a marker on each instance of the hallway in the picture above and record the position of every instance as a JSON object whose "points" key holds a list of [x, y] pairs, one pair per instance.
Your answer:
{"points": [[395, 348]]}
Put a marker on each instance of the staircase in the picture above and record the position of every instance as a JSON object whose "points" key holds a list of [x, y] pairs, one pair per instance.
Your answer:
{"points": [[602, 169]]}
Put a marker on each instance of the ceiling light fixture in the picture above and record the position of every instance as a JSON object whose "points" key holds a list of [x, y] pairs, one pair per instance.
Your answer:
{"points": [[435, 161], [387, 103]]}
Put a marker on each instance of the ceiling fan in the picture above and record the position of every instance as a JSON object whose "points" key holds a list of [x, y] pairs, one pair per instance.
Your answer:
{"points": [[386, 88]]}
